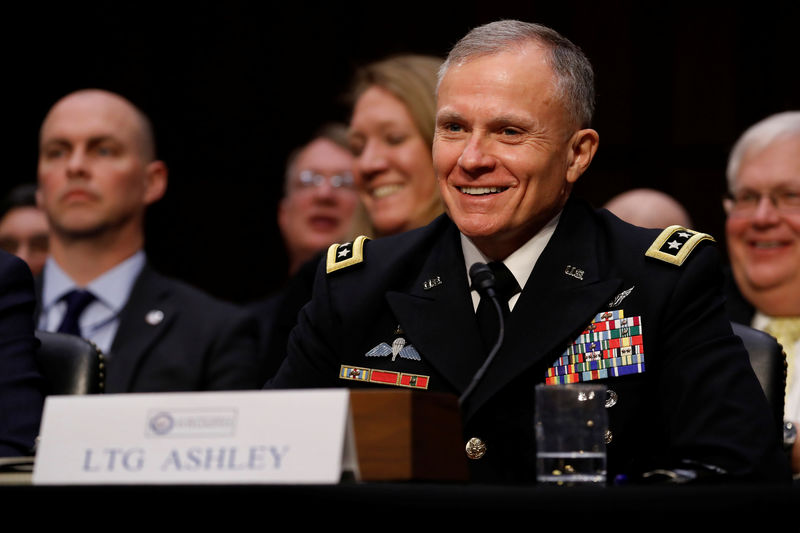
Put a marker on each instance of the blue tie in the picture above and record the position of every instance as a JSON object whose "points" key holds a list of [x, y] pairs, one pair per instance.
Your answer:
{"points": [[77, 300]]}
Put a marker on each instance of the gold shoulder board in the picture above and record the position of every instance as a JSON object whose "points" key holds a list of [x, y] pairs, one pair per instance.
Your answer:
{"points": [[344, 255], [675, 244]]}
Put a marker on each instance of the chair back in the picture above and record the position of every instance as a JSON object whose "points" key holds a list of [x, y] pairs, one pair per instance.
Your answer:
{"points": [[70, 364], [769, 364]]}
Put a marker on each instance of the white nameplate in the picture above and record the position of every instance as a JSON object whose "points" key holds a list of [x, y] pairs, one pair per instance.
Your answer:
{"points": [[297, 436]]}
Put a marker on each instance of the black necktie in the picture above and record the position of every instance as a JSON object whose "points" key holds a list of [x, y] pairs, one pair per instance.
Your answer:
{"points": [[77, 300], [506, 286]]}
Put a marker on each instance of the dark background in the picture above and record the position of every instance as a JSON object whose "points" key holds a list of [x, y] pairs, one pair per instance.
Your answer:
{"points": [[233, 87]]}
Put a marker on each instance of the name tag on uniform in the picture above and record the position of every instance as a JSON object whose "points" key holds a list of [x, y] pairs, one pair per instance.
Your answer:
{"points": [[610, 346]]}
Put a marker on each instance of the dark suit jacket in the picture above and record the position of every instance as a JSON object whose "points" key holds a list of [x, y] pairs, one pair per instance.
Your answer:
{"points": [[697, 401], [277, 316], [21, 385], [198, 343]]}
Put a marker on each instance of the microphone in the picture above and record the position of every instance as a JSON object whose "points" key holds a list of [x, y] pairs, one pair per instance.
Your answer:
{"points": [[482, 280]]}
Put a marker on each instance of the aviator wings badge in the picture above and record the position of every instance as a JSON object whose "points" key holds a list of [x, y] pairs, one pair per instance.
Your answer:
{"points": [[398, 347]]}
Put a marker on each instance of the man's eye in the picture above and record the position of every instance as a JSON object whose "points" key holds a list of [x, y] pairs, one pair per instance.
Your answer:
{"points": [[747, 198], [453, 127], [791, 198], [105, 151], [53, 153]]}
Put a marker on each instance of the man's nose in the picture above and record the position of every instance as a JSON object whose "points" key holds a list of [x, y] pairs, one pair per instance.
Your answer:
{"points": [[325, 190], [766, 212], [76, 164], [475, 156]]}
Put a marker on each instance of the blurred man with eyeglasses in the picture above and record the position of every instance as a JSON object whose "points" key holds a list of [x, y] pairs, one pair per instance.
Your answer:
{"points": [[320, 197], [763, 233], [320, 206]]}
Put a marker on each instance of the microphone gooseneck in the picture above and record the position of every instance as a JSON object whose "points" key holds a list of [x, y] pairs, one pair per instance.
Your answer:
{"points": [[482, 280]]}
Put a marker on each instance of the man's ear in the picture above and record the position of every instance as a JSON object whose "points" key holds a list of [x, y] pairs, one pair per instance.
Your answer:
{"points": [[156, 184], [582, 147]]}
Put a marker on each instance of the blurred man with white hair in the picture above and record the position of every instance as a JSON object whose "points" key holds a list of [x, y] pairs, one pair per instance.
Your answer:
{"points": [[763, 232]]}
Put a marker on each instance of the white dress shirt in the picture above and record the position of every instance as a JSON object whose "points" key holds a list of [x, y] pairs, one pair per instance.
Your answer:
{"points": [[520, 263]]}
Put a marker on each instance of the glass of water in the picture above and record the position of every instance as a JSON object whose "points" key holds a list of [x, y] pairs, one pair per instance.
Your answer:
{"points": [[571, 424]]}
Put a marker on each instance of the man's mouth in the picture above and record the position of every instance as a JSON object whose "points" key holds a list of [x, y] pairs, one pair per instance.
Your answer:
{"points": [[323, 223], [481, 191], [385, 190], [767, 245]]}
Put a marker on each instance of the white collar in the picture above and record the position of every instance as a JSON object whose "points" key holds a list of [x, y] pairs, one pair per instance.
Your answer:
{"points": [[520, 262]]}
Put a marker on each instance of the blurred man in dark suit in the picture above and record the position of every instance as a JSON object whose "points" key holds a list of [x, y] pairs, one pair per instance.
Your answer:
{"points": [[98, 172], [763, 232], [21, 385], [585, 296], [320, 206]]}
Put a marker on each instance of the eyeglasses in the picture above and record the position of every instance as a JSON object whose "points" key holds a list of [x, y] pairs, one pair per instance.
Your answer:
{"points": [[310, 179], [746, 202]]}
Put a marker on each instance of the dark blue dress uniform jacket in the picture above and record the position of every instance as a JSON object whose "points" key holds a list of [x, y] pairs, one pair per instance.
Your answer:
{"points": [[697, 404]]}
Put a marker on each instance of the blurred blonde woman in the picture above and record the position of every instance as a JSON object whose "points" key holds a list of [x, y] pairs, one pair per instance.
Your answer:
{"points": [[391, 134]]}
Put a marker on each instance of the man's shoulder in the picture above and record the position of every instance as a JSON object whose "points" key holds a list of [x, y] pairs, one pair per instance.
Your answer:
{"points": [[674, 245], [191, 299]]}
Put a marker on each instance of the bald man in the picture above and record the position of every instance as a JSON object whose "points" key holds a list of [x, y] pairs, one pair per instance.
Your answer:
{"points": [[649, 208], [97, 173]]}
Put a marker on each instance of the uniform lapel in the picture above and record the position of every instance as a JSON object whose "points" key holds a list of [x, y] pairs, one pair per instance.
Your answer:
{"points": [[439, 320], [554, 306], [146, 317]]}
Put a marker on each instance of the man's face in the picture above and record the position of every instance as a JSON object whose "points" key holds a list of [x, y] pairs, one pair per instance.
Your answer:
{"points": [[505, 152], [318, 210], [764, 244], [94, 174], [23, 232]]}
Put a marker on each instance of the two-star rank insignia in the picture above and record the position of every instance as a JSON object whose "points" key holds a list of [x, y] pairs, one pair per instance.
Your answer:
{"points": [[675, 243], [345, 255]]}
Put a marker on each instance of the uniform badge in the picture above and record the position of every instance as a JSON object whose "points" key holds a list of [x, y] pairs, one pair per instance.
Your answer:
{"points": [[431, 283], [610, 346], [398, 347], [345, 255], [675, 243], [619, 297], [384, 377]]}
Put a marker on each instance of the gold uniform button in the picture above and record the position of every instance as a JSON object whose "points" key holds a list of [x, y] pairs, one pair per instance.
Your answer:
{"points": [[475, 448]]}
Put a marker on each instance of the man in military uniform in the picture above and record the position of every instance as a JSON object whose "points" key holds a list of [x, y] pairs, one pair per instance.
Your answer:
{"points": [[589, 298]]}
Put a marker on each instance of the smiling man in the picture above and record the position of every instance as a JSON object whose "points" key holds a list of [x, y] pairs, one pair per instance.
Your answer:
{"points": [[763, 232], [98, 172], [585, 296]]}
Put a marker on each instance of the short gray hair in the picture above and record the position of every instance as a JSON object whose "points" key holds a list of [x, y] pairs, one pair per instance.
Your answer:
{"points": [[573, 71], [759, 136]]}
